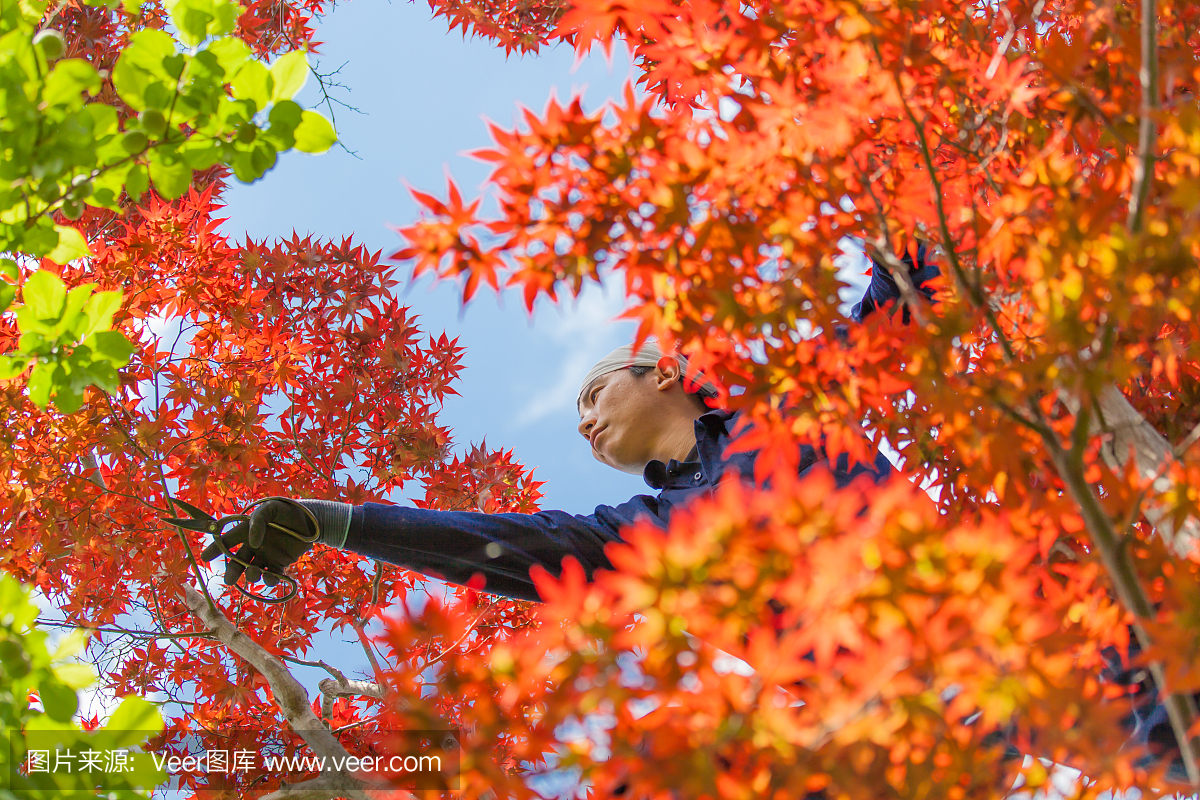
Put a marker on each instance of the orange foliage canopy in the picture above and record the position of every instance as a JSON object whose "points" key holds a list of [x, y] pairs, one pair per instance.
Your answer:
{"points": [[1014, 138], [1048, 153]]}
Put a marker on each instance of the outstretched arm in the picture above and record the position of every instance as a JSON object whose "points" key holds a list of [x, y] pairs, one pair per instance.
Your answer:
{"points": [[491, 551], [462, 546]]}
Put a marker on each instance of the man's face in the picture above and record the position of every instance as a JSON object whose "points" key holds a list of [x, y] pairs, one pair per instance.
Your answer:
{"points": [[622, 417]]}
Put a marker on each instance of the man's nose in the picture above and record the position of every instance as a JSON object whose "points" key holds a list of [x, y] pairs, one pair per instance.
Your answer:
{"points": [[585, 426]]}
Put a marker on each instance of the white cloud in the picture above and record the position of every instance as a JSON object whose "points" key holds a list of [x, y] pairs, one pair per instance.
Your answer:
{"points": [[581, 334]]}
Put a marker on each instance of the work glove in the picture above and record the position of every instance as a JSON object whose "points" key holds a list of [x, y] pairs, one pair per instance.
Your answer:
{"points": [[263, 541]]}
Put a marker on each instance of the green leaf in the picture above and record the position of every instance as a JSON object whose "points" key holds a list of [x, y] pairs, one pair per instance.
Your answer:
{"points": [[314, 134], [253, 82], [17, 46], [171, 180], [290, 71], [44, 294], [7, 293], [285, 116], [99, 312], [71, 245], [104, 119], [67, 400], [12, 366], [39, 240], [200, 154], [133, 721], [59, 699], [76, 676], [76, 299], [104, 376], [196, 20], [68, 80], [112, 346], [33, 341], [9, 269], [137, 182], [107, 186], [140, 68], [40, 384], [231, 53]]}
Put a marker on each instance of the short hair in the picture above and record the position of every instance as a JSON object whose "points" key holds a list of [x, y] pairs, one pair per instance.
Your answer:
{"points": [[697, 391]]}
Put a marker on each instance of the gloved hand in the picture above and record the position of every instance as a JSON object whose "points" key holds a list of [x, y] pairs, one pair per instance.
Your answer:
{"points": [[263, 543]]}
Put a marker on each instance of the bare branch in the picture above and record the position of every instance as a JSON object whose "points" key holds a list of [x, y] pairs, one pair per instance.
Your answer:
{"points": [[1181, 708], [1132, 434], [323, 787], [292, 700], [88, 461], [334, 671], [350, 688], [1143, 170], [140, 634]]}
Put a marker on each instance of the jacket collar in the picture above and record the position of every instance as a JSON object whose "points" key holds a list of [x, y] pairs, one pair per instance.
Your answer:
{"points": [[712, 423]]}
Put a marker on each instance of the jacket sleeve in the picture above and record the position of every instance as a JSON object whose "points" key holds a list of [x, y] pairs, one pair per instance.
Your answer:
{"points": [[458, 546], [883, 289]]}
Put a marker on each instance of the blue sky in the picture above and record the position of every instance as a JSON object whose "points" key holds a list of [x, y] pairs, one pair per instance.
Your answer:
{"points": [[425, 95]]}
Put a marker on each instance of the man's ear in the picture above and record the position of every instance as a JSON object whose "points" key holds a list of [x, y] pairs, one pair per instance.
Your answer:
{"points": [[666, 373]]}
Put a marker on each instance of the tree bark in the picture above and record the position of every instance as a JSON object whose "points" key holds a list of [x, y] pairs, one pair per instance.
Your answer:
{"points": [[292, 699]]}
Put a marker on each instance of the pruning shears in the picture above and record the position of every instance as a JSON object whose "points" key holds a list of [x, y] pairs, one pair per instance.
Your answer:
{"points": [[198, 520]]}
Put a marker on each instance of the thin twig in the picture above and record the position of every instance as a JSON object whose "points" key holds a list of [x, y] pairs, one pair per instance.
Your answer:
{"points": [[1143, 174], [334, 671], [466, 633], [125, 631]]}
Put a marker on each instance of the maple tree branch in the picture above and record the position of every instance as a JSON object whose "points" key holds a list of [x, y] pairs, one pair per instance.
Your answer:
{"points": [[360, 629], [292, 700], [1143, 174], [157, 462], [377, 581], [466, 633], [1002, 48], [1187, 442], [125, 631], [1038, 426], [874, 688], [88, 461], [908, 292], [1085, 99], [304, 453], [323, 787], [1132, 436], [1181, 709], [899, 272], [975, 292], [350, 688], [342, 687], [334, 671]]}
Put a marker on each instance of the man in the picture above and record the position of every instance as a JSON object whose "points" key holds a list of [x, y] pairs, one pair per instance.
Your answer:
{"points": [[637, 416]]}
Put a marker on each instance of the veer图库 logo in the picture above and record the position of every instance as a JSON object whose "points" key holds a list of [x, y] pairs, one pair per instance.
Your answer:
{"points": [[217, 763]]}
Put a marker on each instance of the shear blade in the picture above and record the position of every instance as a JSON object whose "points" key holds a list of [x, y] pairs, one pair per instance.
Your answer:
{"points": [[192, 511], [202, 525]]}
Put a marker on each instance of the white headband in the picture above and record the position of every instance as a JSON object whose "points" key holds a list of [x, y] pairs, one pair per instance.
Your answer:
{"points": [[647, 356]]}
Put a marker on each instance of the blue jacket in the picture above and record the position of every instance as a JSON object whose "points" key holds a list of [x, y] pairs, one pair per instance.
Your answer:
{"points": [[458, 545]]}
